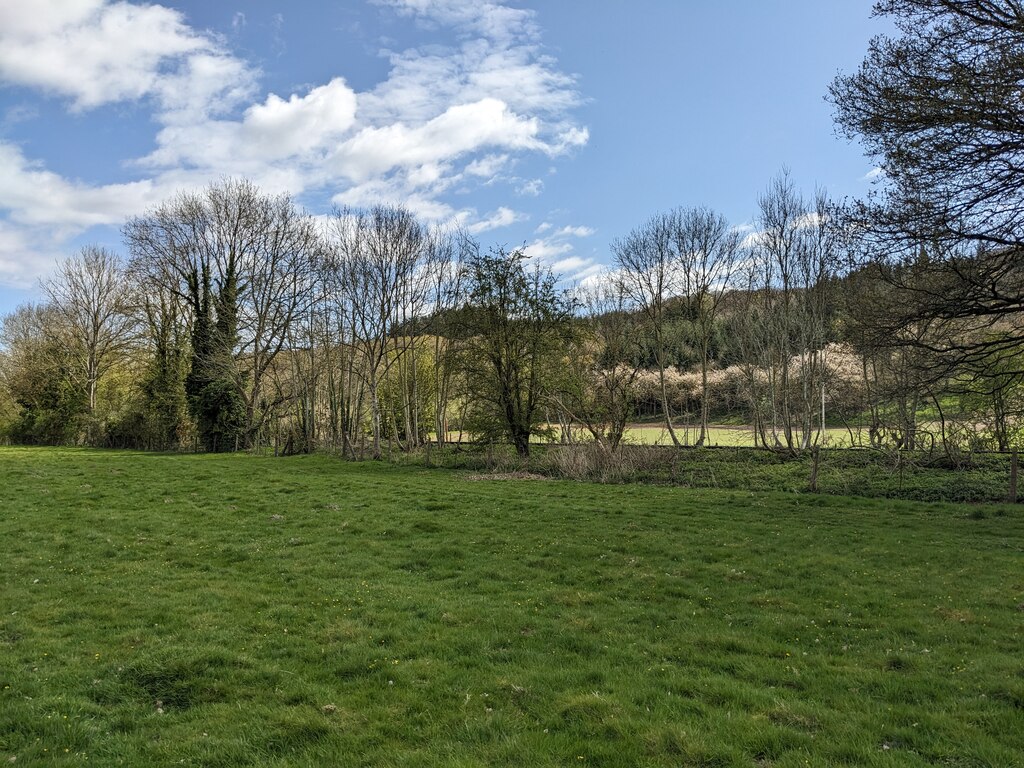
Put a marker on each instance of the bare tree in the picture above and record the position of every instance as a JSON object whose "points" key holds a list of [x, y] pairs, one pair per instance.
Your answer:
{"points": [[343, 384], [793, 262], [377, 253], [937, 106], [89, 293], [597, 387], [707, 249], [445, 255], [277, 291], [647, 261]]}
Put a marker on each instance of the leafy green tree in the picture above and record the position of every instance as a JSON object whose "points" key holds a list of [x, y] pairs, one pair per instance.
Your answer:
{"points": [[519, 327], [164, 404], [212, 383], [39, 376]]}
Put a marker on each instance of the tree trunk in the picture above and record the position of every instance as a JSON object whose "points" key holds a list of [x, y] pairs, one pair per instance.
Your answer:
{"points": [[522, 444], [664, 405], [705, 406]]}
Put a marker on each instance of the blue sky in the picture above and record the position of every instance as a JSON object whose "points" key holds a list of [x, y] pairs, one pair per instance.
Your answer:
{"points": [[556, 125]]}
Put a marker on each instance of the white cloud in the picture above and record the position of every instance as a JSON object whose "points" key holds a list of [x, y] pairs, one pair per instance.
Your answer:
{"points": [[36, 196], [576, 231], [422, 203], [752, 240], [273, 130], [545, 250], [589, 273], [460, 129], [531, 188], [96, 53], [555, 249], [571, 264], [499, 57], [19, 113], [489, 19], [502, 217], [569, 137], [873, 174], [207, 84], [25, 254], [488, 166], [444, 116]]}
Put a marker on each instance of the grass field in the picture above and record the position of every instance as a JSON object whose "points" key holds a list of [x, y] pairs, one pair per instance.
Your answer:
{"points": [[232, 610], [718, 435]]}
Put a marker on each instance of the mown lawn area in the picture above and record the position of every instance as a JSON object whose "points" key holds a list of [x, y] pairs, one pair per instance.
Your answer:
{"points": [[233, 610]]}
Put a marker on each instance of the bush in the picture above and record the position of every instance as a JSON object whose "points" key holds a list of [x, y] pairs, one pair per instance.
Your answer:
{"points": [[917, 476]]}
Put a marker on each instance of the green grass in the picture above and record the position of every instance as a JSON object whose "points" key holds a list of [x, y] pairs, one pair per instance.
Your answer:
{"points": [[219, 611], [914, 476]]}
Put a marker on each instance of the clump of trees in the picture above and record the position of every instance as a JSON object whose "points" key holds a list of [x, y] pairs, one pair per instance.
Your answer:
{"points": [[687, 258], [236, 264], [936, 106]]}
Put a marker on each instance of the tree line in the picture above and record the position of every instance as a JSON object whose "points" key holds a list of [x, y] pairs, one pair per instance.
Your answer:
{"points": [[236, 321]]}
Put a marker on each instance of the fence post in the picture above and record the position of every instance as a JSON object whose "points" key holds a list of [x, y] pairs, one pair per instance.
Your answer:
{"points": [[815, 455], [1013, 478]]}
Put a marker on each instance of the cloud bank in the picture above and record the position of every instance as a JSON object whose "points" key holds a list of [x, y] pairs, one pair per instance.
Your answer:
{"points": [[446, 116]]}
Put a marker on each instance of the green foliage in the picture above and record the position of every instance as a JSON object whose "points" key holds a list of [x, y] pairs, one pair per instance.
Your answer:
{"points": [[889, 474], [519, 329], [408, 391], [993, 399], [212, 387], [220, 410], [308, 611], [156, 416], [163, 396], [55, 423], [47, 402]]}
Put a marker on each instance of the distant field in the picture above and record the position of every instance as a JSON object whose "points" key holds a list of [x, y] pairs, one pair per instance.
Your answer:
{"points": [[719, 435], [232, 610], [649, 434]]}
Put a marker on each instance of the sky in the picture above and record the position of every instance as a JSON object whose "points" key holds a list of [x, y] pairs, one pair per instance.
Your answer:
{"points": [[556, 126]]}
